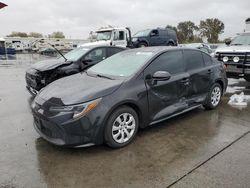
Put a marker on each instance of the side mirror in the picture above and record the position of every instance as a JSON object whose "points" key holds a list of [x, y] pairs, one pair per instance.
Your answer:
{"points": [[152, 34], [228, 42], [161, 75], [86, 61]]}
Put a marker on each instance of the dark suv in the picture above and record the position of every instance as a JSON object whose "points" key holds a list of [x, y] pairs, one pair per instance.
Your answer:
{"points": [[132, 89], [155, 37], [44, 72]]}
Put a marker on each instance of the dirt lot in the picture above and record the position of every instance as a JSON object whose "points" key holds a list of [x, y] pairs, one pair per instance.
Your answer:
{"points": [[197, 149]]}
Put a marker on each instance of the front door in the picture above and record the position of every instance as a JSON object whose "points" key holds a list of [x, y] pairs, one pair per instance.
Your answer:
{"points": [[119, 38], [93, 57], [154, 38], [169, 96]]}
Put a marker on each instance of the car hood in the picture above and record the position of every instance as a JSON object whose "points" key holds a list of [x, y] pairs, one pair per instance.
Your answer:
{"points": [[49, 64], [233, 49], [78, 88]]}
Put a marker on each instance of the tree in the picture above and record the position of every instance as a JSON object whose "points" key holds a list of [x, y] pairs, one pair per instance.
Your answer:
{"points": [[57, 34], [186, 31], [17, 34], [35, 35], [172, 27], [211, 28]]}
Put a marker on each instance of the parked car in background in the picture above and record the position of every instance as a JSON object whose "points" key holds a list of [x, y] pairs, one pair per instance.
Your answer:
{"points": [[44, 72], [236, 56], [201, 46], [155, 37], [134, 88], [48, 52]]}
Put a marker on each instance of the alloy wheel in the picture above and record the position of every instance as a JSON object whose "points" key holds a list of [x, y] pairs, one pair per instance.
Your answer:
{"points": [[215, 96], [123, 128]]}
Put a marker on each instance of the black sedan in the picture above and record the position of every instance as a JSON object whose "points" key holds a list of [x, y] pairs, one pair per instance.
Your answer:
{"points": [[44, 72], [132, 89]]}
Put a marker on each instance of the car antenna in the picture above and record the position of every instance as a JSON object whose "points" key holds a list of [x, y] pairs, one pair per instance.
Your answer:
{"points": [[51, 46]]}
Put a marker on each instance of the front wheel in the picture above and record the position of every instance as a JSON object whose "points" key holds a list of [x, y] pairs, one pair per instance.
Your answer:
{"points": [[121, 127], [214, 97]]}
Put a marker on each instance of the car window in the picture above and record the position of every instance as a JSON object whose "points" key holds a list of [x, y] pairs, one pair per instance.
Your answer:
{"points": [[207, 59], [171, 62], [194, 59], [96, 54], [154, 32], [119, 35], [112, 51]]}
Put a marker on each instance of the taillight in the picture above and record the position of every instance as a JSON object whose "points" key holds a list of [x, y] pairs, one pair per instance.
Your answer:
{"points": [[224, 67]]}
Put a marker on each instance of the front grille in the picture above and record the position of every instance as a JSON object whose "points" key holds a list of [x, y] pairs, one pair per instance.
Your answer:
{"points": [[244, 58]]}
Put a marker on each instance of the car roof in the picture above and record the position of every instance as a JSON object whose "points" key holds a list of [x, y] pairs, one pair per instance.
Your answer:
{"points": [[100, 46], [159, 49]]}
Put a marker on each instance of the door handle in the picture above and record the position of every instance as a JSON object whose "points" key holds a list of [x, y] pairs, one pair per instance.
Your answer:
{"points": [[209, 71], [184, 80]]}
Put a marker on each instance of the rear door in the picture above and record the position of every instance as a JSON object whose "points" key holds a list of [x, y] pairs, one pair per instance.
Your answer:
{"points": [[199, 76], [169, 96]]}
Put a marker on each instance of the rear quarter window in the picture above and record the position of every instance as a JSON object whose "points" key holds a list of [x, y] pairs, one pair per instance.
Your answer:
{"points": [[207, 59], [193, 59]]}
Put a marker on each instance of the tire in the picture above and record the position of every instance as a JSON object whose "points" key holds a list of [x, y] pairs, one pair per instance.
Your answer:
{"points": [[142, 45], [116, 132], [247, 78], [170, 44], [214, 97]]}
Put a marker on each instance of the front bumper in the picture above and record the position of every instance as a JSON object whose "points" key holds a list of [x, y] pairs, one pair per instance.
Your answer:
{"points": [[71, 134], [237, 71], [33, 83], [32, 91], [62, 130]]}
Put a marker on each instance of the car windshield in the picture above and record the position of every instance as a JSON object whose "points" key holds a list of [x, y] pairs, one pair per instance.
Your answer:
{"points": [[241, 40], [142, 33], [76, 54], [123, 64], [103, 35]]}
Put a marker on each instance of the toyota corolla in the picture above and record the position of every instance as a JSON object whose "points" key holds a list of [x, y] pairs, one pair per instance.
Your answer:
{"points": [[109, 102]]}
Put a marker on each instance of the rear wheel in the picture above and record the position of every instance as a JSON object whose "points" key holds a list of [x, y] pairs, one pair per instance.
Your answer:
{"points": [[142, 44], [247, 78], [214, 97], [121, 127], [170, 44]]}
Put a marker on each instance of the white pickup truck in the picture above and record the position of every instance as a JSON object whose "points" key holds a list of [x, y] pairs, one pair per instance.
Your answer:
{"points": [[118, 36], [236, 56]]}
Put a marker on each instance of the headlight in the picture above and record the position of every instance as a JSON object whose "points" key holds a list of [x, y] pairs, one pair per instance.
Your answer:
{"points": [[236, 59], [225, 59], [134, 39], [79, 110]]}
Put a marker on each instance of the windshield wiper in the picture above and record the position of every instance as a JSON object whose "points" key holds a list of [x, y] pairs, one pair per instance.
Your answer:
{"points": [[103, 76], [236, 44]]}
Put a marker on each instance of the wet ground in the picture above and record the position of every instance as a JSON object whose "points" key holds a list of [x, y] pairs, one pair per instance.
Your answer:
{"points": [[198, 149]]}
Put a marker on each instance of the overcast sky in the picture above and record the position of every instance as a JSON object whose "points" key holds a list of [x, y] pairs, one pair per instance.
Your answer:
{"points": [[76, 18]]}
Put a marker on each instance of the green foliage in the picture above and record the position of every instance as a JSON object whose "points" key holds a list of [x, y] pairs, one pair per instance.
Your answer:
{"points": [[17, 34], [35, 35], [211, 28], [57, 34], [186, 31]]}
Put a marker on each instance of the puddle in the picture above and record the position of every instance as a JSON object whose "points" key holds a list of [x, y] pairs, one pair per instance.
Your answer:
{"points": [[239, 100]]}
